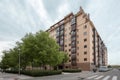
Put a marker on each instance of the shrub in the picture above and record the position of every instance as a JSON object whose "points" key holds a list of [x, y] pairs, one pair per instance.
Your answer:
{"points": [[36, 73], [72, 70]]}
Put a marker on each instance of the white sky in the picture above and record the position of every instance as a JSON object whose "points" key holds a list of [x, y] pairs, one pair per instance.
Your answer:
{"points": [[18, 17]]}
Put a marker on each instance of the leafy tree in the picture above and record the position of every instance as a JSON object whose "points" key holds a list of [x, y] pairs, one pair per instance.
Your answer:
{"points": [[35, 50]]}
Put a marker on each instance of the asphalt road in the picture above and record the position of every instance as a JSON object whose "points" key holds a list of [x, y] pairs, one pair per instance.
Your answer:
{"points": [[85, 75]]}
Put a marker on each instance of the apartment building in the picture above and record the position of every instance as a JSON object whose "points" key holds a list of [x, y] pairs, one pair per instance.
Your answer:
{"points": [[78, 37]]}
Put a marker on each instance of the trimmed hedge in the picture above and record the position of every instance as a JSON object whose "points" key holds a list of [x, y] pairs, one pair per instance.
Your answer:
{"points": [[36, 73], [72, 70]]}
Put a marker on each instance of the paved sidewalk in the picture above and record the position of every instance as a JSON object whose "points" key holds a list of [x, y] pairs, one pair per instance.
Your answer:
{"points": [[63, 76], [7, 76]]}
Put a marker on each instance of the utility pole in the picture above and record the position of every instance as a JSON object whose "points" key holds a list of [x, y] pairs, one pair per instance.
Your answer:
{"points": [[19, 60]]}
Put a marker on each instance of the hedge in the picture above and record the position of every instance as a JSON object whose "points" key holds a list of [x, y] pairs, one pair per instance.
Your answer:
{"points": [[36, 73], [72, 70]]}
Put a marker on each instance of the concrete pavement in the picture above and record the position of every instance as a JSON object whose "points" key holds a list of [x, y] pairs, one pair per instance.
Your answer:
{"points": [[84, 75], [7, 76]]}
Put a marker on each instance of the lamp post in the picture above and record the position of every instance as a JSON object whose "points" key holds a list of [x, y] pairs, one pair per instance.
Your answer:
{"points": [[19, 60]]}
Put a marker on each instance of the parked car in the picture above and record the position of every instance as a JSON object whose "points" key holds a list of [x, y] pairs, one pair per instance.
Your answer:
{"points": [[103, 69]]}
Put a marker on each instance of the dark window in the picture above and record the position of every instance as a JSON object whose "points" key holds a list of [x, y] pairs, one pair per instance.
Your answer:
{"points": [[65, 45], [69, 60], [69, 49], [66, 66], [77, 41], [77, 47], [85, 40], [85, 26], [69, 44], [85, 59], [85, 46], [85, 52]]}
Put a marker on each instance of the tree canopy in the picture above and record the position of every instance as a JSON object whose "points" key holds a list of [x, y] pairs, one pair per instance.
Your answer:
{"points": [[35, 50]]}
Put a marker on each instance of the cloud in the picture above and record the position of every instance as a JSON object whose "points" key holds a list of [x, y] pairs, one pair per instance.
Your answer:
{"points": [[62, 10], [18, 17], [41, 12]]}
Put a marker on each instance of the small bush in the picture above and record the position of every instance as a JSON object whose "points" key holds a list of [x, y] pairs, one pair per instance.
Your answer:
{"points": [[72, 70], [36, 73], [11, 71]]}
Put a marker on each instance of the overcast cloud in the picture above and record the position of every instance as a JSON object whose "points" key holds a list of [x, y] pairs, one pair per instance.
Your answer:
{"points": [[18, 17]]}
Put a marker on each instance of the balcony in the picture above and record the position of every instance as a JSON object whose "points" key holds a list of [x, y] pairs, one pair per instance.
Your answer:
{"points": [[73, 33], [73, 44], [73, 50], [62, 27], [61, 43], [73, 39], [73, 27], [73, 20], [61, 33]]}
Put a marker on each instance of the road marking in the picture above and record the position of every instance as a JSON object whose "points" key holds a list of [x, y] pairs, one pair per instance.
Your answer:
{"points": [[114, 78], [106, 78], [99, 77], [92, 77]]}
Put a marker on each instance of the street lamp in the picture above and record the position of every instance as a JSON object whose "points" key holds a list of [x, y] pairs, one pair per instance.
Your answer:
{"points": [[19, 60]]}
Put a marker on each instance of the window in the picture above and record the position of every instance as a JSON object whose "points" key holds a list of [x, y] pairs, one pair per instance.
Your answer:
{"points": [[69, 44], [85, 40], [77, 47], [85, 33], [69, 49], [85, 26], [85, 46], [77, 41], [65, 45], [85, 59], [85, 52], [69, 60]]}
